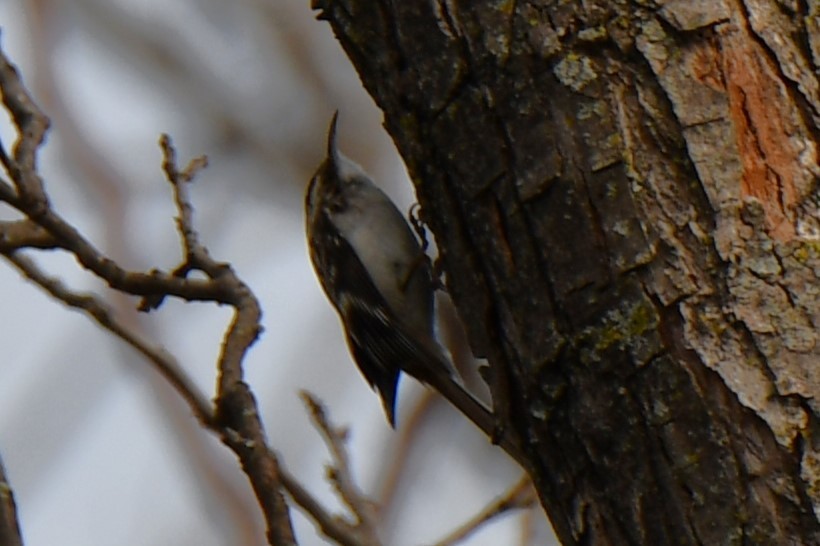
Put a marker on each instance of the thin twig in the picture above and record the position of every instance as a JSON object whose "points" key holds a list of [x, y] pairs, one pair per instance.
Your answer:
{"points": [[9, 526], [92, 306], [408, 434], [33, 125], [341, 474], [333, 527], [527, 528], [194, 251], [520, 495]]}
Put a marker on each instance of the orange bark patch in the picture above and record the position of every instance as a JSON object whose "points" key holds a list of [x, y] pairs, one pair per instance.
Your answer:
{"points": [[760, 110], [705, 65]]}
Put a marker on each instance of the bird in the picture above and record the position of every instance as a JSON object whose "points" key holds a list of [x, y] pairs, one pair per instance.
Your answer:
{"points": [[377, 276], [373, 270]]}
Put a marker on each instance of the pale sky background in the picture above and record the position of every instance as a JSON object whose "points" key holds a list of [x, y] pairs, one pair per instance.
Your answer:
{"points": [[97, 448]]}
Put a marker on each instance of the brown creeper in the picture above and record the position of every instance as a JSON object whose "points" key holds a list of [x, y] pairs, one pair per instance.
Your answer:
{"points": [[378, 278], [375, 274]]}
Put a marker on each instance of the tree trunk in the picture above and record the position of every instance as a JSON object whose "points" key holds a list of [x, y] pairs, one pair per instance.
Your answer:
{"points": [[625, 198]]}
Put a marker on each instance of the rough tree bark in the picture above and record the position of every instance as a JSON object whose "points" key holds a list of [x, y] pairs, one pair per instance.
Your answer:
{"points": [[625, 197]]}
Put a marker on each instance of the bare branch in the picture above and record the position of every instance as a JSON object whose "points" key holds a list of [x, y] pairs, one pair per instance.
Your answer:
{"points": [[340, 472], [331, 526], [520, 495], [195, 253], [33, 125], [9, 526], [408, 434], [239, 425], [31, 200], [24, 233], [92, 306], [236, 417]]}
